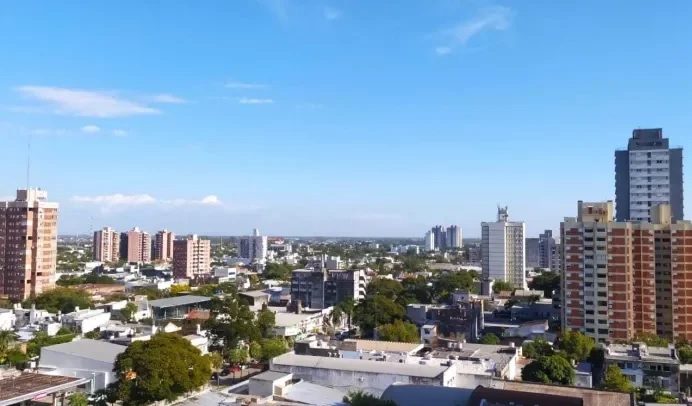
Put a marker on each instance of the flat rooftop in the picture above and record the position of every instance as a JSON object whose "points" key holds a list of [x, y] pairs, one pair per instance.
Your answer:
{"points": [[356, 365], [178, 301], [30, 386], [85, 348], [384, 346]]}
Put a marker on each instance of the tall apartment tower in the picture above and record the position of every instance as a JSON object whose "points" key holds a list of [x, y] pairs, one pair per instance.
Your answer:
{"points": [[138, 246], [429, 241], [532, 253], [624, 278], [163, 245], [503, 250], [106, 245], [546, 249], [453, 239], [440, 234], [253, 247], [28, 244], [649, 172], [191, 257]]}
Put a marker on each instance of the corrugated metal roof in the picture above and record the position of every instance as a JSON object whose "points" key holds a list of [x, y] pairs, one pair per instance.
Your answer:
{"points": [[92, 349], [357, 365], [178, 301]]}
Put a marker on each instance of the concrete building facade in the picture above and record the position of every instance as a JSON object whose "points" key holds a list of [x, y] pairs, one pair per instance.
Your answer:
{"points": [[191, 257], [532, 253], [163, 245], [624, 278], [138, 246], [648, 173], [253, 247], [106, 245], [503, 250], [28, 244]]}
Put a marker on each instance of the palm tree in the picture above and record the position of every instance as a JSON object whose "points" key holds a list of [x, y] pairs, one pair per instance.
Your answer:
{"points": [[347, 306], [337, 315]]}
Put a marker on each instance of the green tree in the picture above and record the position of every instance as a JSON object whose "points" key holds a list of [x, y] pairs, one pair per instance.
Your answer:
{"points": [[278, 271], [400, 331], [375, 311], [576, 345], [490, 339], [616, 381], [8, 338], [554, 369], [499, 286], [446, 284], [215, 359], [416, 290], [685, 354], [388, 288], [348, 306], [652, 340], [42, 339], [129, 311], [266, 321], [163, 368], [62, 299], [238, 356], [231, 321], [256, 350], [77, 399], [336, 316], [547, 282], [537, 348], [273, 347], [92, 335], [360, 398]]}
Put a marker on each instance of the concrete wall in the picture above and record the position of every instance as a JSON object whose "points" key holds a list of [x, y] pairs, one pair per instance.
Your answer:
{"points": [[260, 388]]}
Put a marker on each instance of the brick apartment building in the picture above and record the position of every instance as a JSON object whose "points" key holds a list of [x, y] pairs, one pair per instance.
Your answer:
{"points": [[138, 246], [624, 278], [28, 244], [163, 245], [106, 245], [191, 257]]}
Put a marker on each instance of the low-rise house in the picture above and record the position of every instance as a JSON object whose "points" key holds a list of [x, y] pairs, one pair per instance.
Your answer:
{"points": [[528, 330], [255, 298], [84, 321], [461, 319], [90, 359], [7, 319], [646, 367], [295, 322]]}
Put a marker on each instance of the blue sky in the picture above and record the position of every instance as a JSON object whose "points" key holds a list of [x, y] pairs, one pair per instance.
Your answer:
{"points": [[328, 117]]}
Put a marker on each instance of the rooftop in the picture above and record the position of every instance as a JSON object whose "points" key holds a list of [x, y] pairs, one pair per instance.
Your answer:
{"points": [[639, 351], [254, 293], [376, 367], [29, 386], [284, 318], [386, 346], [313, 394], [416, 395], [270, 376], [178, 301], [92, 349]]}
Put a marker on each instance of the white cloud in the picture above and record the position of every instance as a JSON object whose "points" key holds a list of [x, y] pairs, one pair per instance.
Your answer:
{"points": [[119, 133], [331, 14], [123, 201], [90, 129], [246, 100], [167, 98], [84, 103], [496, 18], [309, 106], [245, 85]]}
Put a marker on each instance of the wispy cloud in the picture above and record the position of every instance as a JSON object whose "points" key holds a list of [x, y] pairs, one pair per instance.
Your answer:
{"points": [[118, 201], [119, 132], [495, 18], [279, 8], [245, 85], [91, 129], [248, 100], [84, 103], [167, 98], [309, 106], [331, 14]]}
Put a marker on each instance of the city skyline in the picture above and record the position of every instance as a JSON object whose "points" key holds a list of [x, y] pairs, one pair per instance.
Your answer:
{"points": [[218, 131]]}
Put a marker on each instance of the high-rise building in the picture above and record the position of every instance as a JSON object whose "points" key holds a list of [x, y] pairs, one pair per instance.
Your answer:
{"points": [[532, 253], [191, 257], [649, 172], [429, 243], [624, 278], [106, 245], [138, 246], [440, 236], [503, 250], [253, 247], [453, 239], [163, 245], [546, 249], [28, 244], [321, 288]]}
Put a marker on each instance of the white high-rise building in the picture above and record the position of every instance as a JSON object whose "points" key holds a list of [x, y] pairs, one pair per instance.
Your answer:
{"points": [[453, 239], [503, 247], [429, 241], [253, 247]]}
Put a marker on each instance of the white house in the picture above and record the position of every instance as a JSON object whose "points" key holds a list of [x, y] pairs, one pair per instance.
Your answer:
{"points": [[88, 359], [87, 320], [7, 319]]}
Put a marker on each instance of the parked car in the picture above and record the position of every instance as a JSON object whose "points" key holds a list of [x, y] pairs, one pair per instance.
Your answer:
{"points": [[225, 371]]}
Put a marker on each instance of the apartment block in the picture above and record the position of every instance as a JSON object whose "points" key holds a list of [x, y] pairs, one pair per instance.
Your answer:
{"points": [[106, 245], [138, 246], [503, 250], [163, 245], [319, 288], [253, 247], [191, 257], [648, 173], [28, 244], [532, 253], [624, 278]]}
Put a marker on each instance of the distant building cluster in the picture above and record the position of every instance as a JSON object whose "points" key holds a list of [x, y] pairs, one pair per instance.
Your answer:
{"points": [[441, 237]]}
